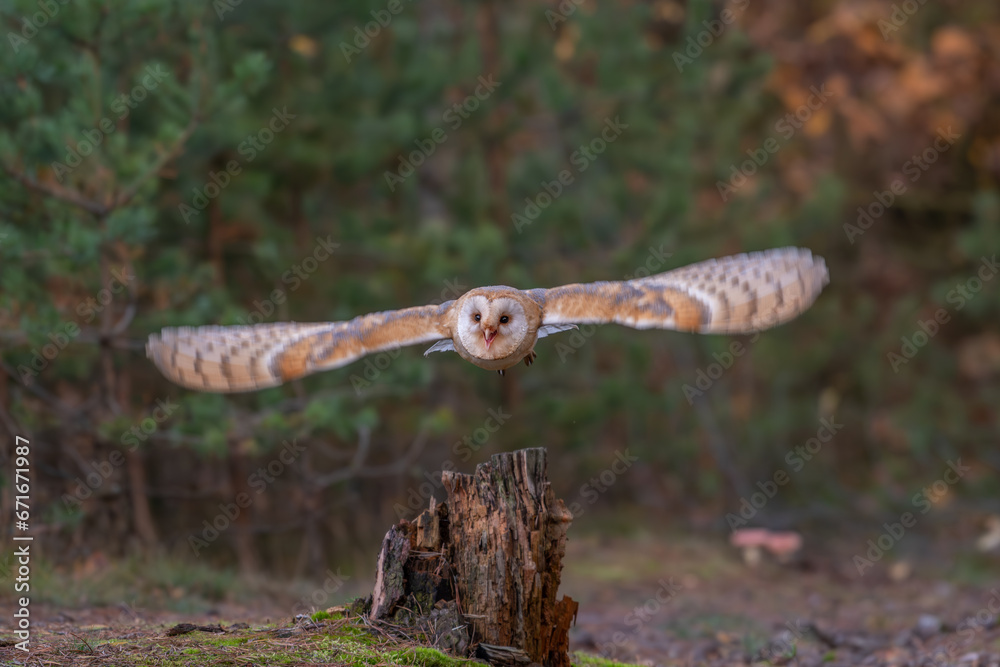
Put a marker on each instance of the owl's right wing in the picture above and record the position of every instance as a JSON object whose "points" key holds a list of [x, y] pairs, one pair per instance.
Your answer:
{"points": [[738, 294], [244, 358]]}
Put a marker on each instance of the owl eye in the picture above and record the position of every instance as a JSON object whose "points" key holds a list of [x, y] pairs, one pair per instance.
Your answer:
{"points": [[504, 320], [478, 317]]}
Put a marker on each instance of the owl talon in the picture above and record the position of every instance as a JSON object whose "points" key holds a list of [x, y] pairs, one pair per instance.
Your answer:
{"points": [[530, 358], [502, 372]]}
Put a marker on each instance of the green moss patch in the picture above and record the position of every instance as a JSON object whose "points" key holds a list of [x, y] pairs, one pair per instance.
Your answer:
{"points": [[586, 660]]}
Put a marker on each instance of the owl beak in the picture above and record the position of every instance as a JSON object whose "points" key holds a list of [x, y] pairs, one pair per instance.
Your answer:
{"points": [[488, 336]]}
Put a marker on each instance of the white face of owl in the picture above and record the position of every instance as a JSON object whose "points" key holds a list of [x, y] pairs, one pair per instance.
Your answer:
{"points": [[492, 327]]}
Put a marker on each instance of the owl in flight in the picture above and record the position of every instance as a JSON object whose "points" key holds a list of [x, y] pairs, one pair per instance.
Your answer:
{"points": [[497, 327]]}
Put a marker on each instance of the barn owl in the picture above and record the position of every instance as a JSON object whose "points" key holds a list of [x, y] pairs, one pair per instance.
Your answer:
{"points": [[497, 327]]}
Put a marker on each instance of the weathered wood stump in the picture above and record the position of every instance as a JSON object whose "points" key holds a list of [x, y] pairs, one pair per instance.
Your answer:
{"points": [[487, 561]]}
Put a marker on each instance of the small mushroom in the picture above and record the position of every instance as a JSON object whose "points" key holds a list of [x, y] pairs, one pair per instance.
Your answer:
{"points": [[749, 541], [784, 545], [990, 540], [781, 545]]}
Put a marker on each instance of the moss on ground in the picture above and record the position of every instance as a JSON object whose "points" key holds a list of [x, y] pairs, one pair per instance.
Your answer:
{"points": [[427, 657], [326, 616], [586, 660], [333, 641], [228, 641], [330, 640]]}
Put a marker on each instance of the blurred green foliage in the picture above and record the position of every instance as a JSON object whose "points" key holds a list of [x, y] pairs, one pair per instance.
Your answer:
{"points": [[158, 199]]}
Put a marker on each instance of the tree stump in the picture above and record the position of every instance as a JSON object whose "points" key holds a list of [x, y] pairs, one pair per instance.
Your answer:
{"points": [[480, 572]]}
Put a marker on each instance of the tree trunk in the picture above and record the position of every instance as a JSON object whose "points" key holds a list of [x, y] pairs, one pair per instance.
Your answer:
{"points": [[482, 569], [142, 517], [243, 524]]}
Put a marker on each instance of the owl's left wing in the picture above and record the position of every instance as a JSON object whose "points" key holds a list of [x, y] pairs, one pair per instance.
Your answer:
{"points": [[245, 358], [738, 294]]}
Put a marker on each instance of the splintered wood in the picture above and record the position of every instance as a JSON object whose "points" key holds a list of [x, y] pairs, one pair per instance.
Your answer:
{"points": [[491, 557]]}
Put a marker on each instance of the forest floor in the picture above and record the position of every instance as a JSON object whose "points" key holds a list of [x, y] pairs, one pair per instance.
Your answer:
{"points": [[648, 601], [689, 604]]}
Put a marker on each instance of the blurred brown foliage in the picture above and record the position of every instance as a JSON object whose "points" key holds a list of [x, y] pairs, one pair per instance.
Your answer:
{"points": [[816, 124]]}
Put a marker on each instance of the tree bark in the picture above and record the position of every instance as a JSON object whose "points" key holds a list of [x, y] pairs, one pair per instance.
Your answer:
{"points": [[142, 517], [243, 523], [487, 561]]}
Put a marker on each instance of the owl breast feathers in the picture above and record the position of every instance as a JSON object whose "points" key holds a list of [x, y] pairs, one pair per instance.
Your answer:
{"points": [[497, 327]]}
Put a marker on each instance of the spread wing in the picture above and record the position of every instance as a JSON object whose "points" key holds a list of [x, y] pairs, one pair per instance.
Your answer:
{"points": [[245, 358], [738, 294]]}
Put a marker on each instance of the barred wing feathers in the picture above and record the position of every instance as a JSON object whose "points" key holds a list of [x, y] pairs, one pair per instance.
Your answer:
{"points": [[245, 358], [730, 295]]}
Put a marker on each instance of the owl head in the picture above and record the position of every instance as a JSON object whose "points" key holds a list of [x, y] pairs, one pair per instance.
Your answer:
{"points": [[493, 322]]}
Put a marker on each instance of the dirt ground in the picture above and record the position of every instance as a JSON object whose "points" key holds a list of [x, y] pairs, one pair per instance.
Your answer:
{"points": [[646, 601], [689, 604]]}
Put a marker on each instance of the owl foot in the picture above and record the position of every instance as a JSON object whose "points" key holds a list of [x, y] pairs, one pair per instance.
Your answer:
{"points": [[502, 372], [530, 358]]}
